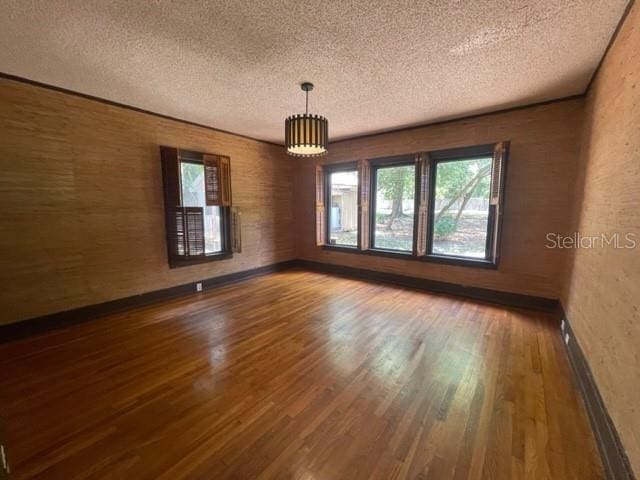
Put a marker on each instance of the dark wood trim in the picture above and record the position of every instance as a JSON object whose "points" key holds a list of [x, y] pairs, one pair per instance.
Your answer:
{"points": [[47, 86], [476, 293], [406, 255], [395, 161], [614, 35], [462, 153], [460, 261], [459, 119], [38, 325], [211, 257], [614, 459]]}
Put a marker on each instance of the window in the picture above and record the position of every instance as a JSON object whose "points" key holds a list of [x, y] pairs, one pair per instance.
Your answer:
{"points": [[461, 207], [342, 207], [197, 193], [444, 206], [192, 181], [466, 203], [394, 207]]}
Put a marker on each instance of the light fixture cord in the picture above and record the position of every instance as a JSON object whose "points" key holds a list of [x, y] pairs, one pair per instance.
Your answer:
{"points": [[306, 108]]}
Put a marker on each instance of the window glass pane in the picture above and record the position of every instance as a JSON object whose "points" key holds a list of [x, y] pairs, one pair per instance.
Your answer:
{"points": [[192, 184], [192, 180], [212, 233], [343, 211], [461, 208], [394, 208]]}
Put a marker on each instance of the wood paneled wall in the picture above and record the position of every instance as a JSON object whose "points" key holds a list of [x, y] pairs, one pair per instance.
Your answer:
{"points": [[540, 175], [602, 294], [81, 199]]}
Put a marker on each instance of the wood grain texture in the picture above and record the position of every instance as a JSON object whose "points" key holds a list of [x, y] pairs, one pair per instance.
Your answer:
{"points": [[602, 294], [81, 196], [542, 167], [298, 375]]}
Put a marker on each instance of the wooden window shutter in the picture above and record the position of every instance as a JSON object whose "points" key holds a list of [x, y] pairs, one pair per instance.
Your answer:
{"points": [[496, 201], [213, 195], [364, 183], [236, 230], [185, 236], [171, 177], [422, 214], [174, 214], [497, 169], [225, 180], [217, 180], [176, 237], [320, 208], [194, 231]]}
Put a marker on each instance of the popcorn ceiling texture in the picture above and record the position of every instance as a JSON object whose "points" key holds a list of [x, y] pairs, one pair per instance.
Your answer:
{"points": [[377, 65]]}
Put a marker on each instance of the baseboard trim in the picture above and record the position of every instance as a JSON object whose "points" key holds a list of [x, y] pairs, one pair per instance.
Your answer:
{"points": [[614, 459], [476, 293], [38, 325]]}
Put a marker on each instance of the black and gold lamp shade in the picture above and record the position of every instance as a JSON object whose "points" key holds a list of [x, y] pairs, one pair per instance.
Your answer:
{"points": [[306, 135]]}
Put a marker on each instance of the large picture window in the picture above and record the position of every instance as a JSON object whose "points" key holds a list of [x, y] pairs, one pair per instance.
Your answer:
{"points": [[342, 207], [442, 206], [465, 204], [394, 207], [461, 207]]}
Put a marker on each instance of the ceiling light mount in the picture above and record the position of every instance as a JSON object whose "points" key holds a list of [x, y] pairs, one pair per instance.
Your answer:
{"points": [[306, 135]]}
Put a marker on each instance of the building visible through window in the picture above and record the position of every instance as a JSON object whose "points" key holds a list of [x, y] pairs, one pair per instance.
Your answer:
{"points": [[343, 208]]}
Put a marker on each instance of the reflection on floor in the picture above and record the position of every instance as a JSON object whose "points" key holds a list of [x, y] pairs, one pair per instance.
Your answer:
{"points": [[298, 375]]}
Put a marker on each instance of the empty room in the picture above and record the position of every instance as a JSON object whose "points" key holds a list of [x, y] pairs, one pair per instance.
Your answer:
{"points": [[320, 240]]}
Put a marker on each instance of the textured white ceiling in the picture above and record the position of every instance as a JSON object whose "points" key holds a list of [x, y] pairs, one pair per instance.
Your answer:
{"points": [[376, 64]]}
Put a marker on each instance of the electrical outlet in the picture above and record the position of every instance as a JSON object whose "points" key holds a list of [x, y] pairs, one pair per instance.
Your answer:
{"points": [[199, 287], [566, 338]]}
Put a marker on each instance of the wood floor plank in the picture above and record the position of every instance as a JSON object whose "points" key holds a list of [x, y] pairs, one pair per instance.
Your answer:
{"points": [[298, 375]]}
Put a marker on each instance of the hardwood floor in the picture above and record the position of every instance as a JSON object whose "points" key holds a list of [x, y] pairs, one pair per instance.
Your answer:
{"points": [[298, 375]]}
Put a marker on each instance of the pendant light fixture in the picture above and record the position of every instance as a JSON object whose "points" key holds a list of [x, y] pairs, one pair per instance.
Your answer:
{"points": [[306, 135]]}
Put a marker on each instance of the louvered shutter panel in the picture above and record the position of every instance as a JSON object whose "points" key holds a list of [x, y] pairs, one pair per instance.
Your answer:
{"points": [[320, 215], [177, 238], [174, 214], [498, 173], [213, 195], [236, 230], [364, 182], [422, 168], [194, 231], [225, 181]]}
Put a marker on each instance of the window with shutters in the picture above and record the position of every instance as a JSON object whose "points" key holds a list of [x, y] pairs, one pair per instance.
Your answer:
{"points": [[193, 195], [464, 215], [443, 206], [197, 200], [342, 205]]}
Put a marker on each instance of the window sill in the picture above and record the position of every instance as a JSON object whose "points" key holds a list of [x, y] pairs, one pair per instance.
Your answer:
{"points": [[447, 260], [341, 248], [211, 257], [460, 261]]}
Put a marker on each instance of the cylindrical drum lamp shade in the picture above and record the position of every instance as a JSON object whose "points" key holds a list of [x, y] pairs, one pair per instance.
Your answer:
{"points": [[306, 135]]}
